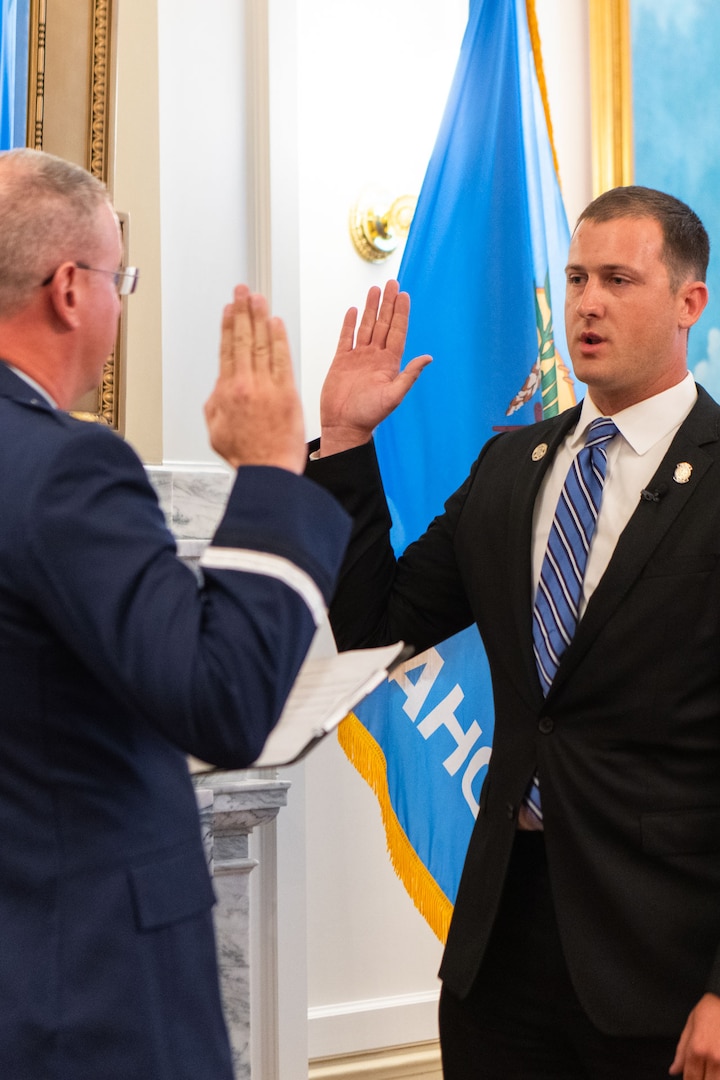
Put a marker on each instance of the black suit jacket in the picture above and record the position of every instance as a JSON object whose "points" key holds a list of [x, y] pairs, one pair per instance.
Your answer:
{"points": [[627, 742]]}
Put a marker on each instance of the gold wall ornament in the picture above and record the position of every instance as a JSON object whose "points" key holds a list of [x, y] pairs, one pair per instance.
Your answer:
{"points": [[36, 74], [100, 91], [611, 94], [378, 224], [70, 114]]}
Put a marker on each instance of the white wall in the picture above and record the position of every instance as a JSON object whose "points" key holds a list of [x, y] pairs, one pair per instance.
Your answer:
{"points": [[373, 81], [202, 203]]}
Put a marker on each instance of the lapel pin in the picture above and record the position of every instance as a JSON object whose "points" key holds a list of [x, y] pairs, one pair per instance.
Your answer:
{"points": [[683, 472], [539, 452]]}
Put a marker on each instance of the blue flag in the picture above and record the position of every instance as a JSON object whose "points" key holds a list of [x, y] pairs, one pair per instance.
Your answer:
{"points": [[14, 16], [484, 261]]}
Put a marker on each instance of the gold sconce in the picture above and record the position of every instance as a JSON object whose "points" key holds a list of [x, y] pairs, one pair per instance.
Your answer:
{"points": [[377, 225]]}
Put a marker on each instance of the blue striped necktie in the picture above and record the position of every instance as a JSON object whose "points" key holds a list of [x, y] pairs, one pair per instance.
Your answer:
{"points": [[557, 603]]}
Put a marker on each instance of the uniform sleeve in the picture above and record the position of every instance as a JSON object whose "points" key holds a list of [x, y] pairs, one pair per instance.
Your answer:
{"points": [[209, 664]]}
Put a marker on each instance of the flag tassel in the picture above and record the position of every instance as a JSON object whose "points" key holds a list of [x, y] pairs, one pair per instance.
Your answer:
{"points": [[366, 756]]}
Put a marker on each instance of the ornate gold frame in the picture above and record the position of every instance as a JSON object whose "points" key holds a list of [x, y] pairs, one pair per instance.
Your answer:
{"points": [[69, 114], [611, 94]]}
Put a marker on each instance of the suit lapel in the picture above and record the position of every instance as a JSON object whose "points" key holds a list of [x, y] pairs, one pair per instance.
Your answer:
{"points": [[647, 526]]}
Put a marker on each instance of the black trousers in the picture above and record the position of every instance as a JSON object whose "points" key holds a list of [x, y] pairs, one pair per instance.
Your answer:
{"points": [[522, 1019]]}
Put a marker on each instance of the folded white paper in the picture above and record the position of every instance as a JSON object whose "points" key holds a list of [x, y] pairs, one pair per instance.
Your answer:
{"points": [[326, 690], [328, 686]]}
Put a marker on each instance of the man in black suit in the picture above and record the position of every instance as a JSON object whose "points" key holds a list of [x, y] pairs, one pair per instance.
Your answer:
{"points": [[585, 940]]}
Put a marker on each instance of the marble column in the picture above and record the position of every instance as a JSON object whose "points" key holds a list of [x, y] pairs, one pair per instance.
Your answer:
{"points": [[231, 805]]}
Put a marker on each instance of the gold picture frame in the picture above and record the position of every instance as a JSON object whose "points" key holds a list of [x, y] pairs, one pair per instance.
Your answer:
{"points": [[611, 94], [70, 114]]}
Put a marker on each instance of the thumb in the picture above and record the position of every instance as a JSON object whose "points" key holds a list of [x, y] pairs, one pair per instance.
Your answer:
{"points": [[678, 1064], [409, 375]]}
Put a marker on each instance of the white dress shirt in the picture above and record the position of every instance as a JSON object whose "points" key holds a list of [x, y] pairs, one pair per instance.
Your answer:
{"points": [[646, 431], [35, 385]]}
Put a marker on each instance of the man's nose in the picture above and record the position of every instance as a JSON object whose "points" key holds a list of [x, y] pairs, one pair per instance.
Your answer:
{"points": [[590, 299]]}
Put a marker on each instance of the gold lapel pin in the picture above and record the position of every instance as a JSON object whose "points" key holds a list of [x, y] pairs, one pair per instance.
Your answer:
{"points": [[683, 472], [539, 452]]}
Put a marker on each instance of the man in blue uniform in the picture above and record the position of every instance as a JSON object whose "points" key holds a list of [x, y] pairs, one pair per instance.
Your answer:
{"points": [[115, 664]]}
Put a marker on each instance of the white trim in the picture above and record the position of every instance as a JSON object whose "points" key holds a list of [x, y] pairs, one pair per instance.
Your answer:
{"points": [[358, 1026], [275, 566], [258, 175]]}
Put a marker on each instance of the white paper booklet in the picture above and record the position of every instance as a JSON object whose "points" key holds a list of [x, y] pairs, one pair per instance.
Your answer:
{"points": [[328, 686]]}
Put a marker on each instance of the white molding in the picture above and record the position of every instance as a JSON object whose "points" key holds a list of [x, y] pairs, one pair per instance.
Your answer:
{"points": [[351, 1026], [264, 1011], [259, 218], [420, 1061]]}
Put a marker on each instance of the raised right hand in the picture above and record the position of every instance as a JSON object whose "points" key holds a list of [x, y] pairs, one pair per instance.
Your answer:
{"points": [[365, 383], [254, 415]]}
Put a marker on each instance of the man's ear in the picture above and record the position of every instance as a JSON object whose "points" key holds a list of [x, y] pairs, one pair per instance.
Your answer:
{"points": [[694, 296], [64, 291]]}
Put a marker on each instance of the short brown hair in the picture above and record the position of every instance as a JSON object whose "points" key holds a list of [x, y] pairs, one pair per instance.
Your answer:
{"points": [[686, 245]]}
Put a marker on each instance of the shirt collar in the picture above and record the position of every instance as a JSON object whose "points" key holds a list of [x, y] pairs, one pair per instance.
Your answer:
{"points": [[647, 422], [35, 385]]}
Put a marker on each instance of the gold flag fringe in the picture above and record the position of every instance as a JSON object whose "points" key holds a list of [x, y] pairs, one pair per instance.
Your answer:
{"points": [[540, 71], [366, 756]]}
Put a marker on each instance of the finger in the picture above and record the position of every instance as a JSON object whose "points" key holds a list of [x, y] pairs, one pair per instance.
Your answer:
{"points": [[347, 331], [414, 367], [280, 358], [678, 1064], [385, 315], [369, 316], [241, 336], [396, 334], [406, 378], [210, 409], [694, 1069], [260, 350], [679, 1059], [227, 329], [227, 360]]}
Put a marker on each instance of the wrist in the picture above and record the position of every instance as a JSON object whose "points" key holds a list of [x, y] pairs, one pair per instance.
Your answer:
{"points": [[334, 440]]}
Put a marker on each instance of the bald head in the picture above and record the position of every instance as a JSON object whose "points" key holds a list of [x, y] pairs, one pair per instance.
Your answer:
{"points": [[48, 215]]}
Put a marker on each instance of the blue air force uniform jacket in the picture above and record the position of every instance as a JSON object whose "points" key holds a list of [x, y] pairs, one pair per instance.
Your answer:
{"points": [[114, 664]]}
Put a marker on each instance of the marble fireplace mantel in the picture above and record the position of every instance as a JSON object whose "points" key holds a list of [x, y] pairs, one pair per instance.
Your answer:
{"points": [[231, 804], [193, 498]]}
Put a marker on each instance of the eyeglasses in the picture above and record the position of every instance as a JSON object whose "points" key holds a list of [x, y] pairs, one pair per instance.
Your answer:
{"points": [[125, 281]]}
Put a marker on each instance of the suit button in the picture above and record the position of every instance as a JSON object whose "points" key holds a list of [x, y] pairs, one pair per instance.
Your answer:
{"points": [[546, 725], [510, 810]]}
